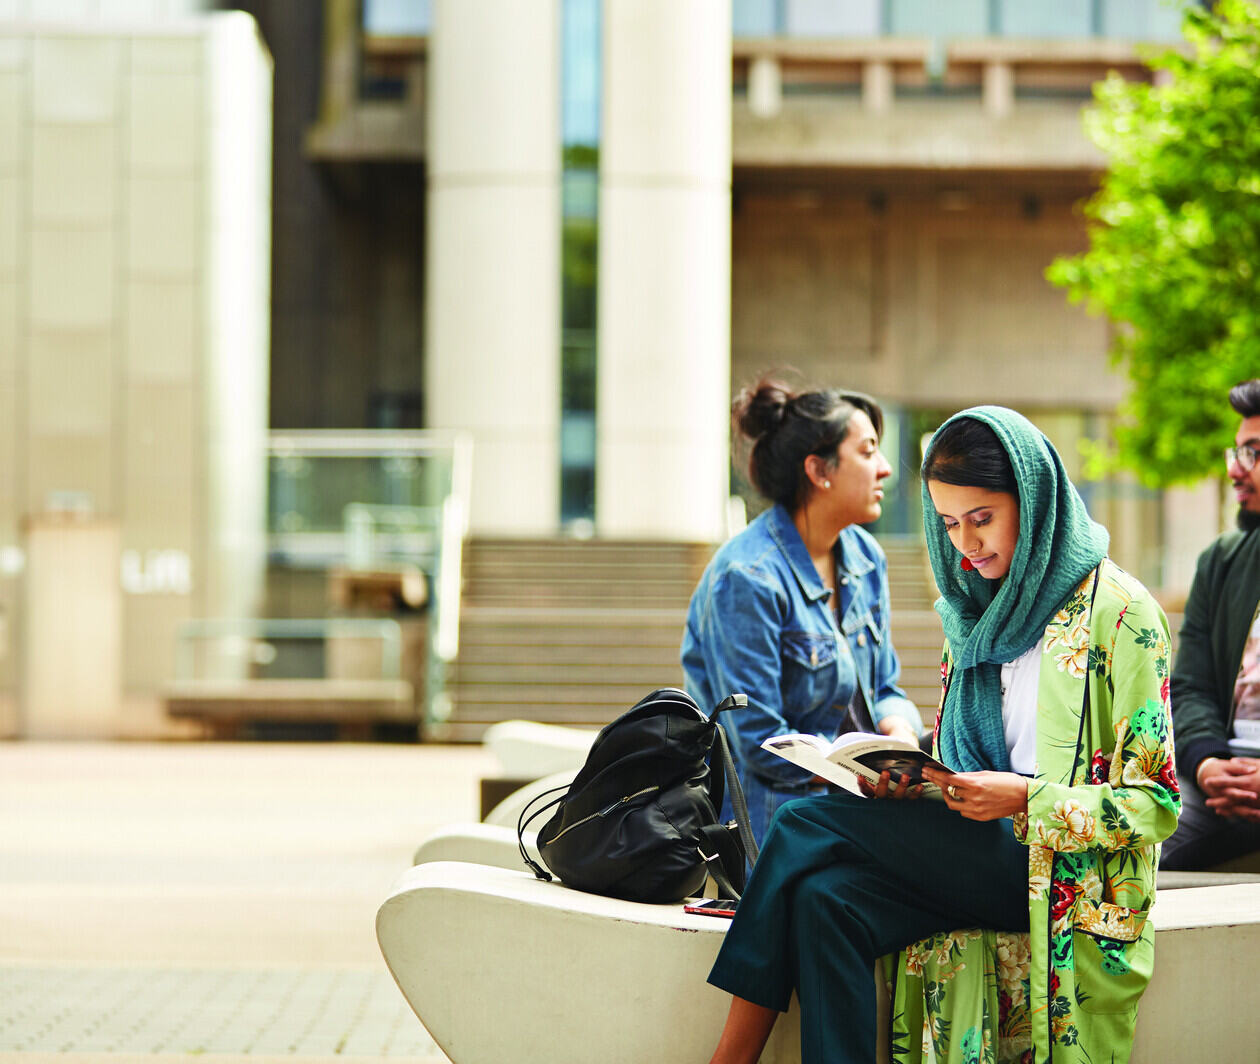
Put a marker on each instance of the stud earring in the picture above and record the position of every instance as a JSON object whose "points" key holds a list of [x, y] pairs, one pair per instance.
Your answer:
{"points": [[826, 483]]}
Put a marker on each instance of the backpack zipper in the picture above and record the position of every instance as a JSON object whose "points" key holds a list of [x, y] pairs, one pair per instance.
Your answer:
{"points": [[605, 812]]}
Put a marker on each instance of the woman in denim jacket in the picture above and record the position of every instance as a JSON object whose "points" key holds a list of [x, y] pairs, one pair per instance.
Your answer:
{"points": [[793, 611]]}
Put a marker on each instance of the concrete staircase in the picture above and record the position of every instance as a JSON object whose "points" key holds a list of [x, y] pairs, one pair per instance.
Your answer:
{"points": [[575, 632]]}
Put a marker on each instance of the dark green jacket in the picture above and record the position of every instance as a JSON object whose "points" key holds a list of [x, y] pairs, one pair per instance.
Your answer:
{"points": [[1219, 613]]}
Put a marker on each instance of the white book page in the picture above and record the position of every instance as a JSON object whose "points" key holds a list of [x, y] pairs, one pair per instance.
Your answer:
{"points": [[809, 752], [836, 761]]}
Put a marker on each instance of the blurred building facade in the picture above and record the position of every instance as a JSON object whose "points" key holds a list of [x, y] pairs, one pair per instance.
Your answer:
{"points": [[571, 227], [135, 187], [574, 226]]}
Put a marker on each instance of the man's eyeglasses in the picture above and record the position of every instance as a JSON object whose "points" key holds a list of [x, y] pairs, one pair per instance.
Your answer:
{"points": [[1244, 455]]}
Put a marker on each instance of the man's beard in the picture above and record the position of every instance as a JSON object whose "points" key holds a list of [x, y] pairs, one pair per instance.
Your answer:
{"points": [[1248, 520]]}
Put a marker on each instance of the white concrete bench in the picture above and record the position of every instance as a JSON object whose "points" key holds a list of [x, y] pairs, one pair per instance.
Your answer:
{"points": [[502, 967], [486, 844], [527, 749], [493, 841], [508, 811], [575, 977]]}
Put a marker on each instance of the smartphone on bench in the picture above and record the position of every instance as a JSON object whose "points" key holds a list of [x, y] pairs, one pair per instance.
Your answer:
{"points": [[713, 907]]}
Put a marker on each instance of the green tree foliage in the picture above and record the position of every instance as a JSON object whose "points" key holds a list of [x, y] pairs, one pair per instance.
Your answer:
{"points": [[1174, 257]]}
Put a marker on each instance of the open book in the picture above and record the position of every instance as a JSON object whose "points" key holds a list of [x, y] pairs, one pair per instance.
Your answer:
{"points": [[856, 754]]}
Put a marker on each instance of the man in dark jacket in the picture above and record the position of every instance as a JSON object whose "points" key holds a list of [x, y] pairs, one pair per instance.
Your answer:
{"points": [[1216, 679]]}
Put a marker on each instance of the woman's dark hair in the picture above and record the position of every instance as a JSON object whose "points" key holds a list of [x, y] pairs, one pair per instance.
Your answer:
{"points": [[968, 453], [786, 427], [1244, 397]]}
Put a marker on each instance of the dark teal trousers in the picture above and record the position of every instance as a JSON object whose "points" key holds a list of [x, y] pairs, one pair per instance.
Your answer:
{"points": [[841, 881]]}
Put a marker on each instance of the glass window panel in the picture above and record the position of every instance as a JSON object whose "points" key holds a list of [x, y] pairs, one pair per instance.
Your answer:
{"points": [[397, 18], [311, 493], [577, 439], [577, 387], [579, 102], [579, 245], [827, 18], [580, 193], [754, 18], [1142, 20], [934, 18], [580, 80], [1060, 18]]}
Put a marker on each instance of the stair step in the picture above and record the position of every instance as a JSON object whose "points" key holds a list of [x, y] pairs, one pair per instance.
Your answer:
{"points": [[575, 632], [624, 597], [550, 655], [586, 674]]}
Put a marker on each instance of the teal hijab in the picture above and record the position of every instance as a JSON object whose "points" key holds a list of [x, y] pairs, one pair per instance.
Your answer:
{"points": [[988, 622]]}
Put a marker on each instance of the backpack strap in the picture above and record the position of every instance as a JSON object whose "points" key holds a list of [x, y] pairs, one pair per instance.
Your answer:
{"points": [[522, 824], [717, 790], [738, 802]]}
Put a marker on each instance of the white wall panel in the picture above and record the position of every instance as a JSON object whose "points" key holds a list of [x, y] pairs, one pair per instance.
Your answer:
{"points": [[75, 464], [74, 173], [72, 278], [163, 221], [11, 334], [162, 330], [12, 223], [168, 55], [13, 120], [160, 444], [71, 382], [76, 79], [166, 124], [11, 424]]}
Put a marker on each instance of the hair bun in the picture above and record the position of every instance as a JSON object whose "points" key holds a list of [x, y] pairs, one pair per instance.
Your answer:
{"points": [[761, 409]]}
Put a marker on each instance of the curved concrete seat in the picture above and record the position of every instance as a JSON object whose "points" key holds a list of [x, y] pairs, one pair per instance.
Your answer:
{"points": [[506, 813], [574, 977], [527, 749], [487, 844], [1200, 1004], [502, 967], [1182, 880]]}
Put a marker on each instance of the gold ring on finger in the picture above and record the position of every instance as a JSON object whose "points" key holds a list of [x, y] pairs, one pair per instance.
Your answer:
{"points": [[953, 792]]}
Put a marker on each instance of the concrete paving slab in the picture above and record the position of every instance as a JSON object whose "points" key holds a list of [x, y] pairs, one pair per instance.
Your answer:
{"points": [[165, 902]]}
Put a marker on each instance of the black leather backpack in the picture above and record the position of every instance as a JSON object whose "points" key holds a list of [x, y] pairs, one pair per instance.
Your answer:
{"points": [[640, 820]]}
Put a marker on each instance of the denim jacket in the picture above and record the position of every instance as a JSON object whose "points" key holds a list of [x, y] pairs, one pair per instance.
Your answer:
{"points": [[761, 623]]}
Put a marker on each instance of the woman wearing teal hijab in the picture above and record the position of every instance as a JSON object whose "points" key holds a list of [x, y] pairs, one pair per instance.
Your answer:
{"points": [[1054, 720]]}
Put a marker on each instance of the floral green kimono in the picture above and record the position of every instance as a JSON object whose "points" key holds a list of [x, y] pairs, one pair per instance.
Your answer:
{"points": [[1103, 797]]}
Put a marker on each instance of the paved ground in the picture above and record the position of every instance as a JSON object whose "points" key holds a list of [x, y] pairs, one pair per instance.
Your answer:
{"points": [[164, 901]]}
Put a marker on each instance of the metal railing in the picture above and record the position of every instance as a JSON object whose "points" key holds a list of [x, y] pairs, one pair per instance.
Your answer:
{"points": [[369, 499], [243, 645]]}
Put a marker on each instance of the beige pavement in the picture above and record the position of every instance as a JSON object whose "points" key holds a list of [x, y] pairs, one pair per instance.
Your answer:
{"points": [[159, 901]]}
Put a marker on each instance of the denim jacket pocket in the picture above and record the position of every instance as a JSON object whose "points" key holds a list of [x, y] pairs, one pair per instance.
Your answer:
{"points": [[809, 650], [863, 628], [810, 678]]}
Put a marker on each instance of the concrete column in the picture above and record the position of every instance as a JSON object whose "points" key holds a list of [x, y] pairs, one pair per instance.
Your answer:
{"points": [[998, 89], [664, 270], [492, 275], [765, 86], [877, 86]]}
